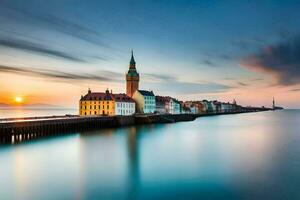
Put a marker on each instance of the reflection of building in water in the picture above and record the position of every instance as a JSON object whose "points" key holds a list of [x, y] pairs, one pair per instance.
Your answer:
{"points": [[133, 164]]}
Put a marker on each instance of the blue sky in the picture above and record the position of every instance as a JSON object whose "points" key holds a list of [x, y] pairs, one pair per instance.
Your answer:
{"points": [[187, 49]]}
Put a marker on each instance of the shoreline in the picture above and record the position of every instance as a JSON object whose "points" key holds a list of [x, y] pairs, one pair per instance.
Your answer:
{"points": [[14, 130]]}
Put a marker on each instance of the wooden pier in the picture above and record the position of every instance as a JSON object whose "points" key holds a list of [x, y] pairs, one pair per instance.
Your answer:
{"points": [[14, 130]]}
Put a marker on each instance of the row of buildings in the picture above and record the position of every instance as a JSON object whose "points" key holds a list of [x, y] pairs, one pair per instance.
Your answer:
{"points": [[143, 101]]}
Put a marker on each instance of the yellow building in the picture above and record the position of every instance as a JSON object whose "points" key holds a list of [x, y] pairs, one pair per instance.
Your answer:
{"points": [[97, 103]]}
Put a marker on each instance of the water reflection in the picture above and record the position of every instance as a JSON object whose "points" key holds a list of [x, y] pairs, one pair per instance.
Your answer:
{"points": [[133, 168], [252, 156]]}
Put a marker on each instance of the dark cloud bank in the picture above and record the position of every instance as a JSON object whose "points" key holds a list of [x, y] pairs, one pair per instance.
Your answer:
{"points": [[281, 60]]}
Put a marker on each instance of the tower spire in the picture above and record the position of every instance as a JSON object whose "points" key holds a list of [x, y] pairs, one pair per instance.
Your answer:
{"points": [[132, 61]]}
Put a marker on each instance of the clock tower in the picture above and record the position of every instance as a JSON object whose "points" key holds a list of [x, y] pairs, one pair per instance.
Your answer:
{"points": [[132, 78]]}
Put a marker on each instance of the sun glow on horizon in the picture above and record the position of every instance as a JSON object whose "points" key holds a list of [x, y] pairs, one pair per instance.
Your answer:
{"points": [[19, 99]]}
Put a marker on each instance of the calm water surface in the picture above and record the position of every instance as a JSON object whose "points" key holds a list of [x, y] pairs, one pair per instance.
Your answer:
{"points": [[244, 156], [37, 112]]}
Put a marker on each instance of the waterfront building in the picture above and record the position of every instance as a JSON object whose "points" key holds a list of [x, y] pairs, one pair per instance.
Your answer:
{"points": [[132, 78], [185, 109], [226, 107], [167, 105], [124, 105], [208, 106], [106, 103], [217, 106], [201, 107], [234, 106], [175, 107], [197, 107], [194, 109], [97, 103], [145, 101], [160, 105]]}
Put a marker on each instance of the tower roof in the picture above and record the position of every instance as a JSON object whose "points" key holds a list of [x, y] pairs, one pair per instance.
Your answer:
{"points": [[132, 61]]}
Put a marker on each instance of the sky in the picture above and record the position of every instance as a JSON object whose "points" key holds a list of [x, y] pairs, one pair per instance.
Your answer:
{"points": [[51, 52]]}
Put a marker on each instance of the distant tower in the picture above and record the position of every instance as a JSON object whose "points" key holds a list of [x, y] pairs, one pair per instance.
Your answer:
{"points": [[132, 78], [273, 103]]}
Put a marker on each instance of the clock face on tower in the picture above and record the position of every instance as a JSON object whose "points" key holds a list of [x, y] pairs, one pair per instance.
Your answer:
{"points": [[132, 78]]}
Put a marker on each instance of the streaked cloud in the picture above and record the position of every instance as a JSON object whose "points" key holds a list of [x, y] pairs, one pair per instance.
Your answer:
{"points": [[172, 85], [282, 61], [209, 63], [156, 82], [157, 78], [56, 23], [38, 48], [295, 90], [61, 75], [187, 88], [242, 84]]}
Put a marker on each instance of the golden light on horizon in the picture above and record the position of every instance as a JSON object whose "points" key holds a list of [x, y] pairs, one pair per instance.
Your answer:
{"points": [[18, 99]]}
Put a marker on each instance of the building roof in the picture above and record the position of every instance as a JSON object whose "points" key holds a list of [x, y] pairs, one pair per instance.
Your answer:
{"points": [[132, 70], [132, 61], [97, 96], [106, 96], [146, 93], [162, 99], [122, 98], [186, 108]]}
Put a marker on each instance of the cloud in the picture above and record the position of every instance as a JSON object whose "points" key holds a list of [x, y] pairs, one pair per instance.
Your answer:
{"points": [[281, 60], [257, 79], [171, 84], [295, 90], [56, 23], [225, 57], [157, 78], [156, 82], [37, 48], [178, 87], [229, 78], [248, 43], [242, 84], [209, 63], [63, 76]]}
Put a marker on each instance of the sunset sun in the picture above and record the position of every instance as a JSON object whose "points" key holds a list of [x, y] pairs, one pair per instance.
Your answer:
{"points": [[18, 99]]}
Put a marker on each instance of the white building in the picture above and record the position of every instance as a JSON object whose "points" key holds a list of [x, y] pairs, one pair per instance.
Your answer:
{"points": [[226, 107], [167, 105], [124, 105], [145, 101], [175, 107]]}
